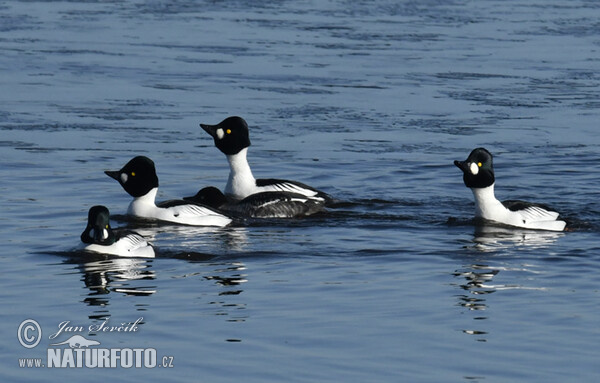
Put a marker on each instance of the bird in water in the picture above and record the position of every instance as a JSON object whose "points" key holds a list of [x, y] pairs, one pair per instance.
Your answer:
{"points": [[478, 175], [138, 178], [259, 205], [99, 237], [231, 136]]}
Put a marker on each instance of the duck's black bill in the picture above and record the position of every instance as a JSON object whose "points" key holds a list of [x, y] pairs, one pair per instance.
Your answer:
{"points": [[462, 165], [112, 174], [210, 129]]}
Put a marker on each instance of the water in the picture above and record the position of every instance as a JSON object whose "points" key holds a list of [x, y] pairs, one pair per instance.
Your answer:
{"points": [[368, 101]]}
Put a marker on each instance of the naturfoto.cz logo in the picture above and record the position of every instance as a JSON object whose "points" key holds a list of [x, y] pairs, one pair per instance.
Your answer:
{"points": [[77, 351]]}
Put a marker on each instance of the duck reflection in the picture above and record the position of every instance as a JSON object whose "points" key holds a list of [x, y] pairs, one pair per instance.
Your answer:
{"points": [[229, 279], [490, 237], [476, 284], [230, 276], [129, 276], [118, 275], [103, 275]]}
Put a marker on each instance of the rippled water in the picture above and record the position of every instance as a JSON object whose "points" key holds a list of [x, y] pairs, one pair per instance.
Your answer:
{"points": [[368, 101]]}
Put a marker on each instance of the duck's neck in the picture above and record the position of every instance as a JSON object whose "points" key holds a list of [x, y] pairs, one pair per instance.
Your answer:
{"points": [[241, 182], [485, 201], [141, 205]]}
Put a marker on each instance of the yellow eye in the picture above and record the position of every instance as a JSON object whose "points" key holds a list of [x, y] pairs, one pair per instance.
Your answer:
{"points": [[228, 131], [107, 226], [133, 173], [479, 164]]}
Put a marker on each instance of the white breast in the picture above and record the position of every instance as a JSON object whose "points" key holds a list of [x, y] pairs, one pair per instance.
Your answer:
{"points": [[241, 182]]}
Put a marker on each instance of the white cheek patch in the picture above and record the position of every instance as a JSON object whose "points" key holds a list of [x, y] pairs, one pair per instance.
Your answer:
{"points": [[104, 234], [124, 178], [220, 134], [474, 168]]}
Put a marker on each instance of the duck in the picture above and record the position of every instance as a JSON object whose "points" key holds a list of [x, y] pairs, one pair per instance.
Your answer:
{"points": [[259, 205], [138, 178], [99, 237], [232, 138], [478, 175]]}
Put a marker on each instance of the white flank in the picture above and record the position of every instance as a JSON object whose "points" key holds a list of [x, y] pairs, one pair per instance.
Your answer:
{"points": [[194, 215], [132, 245]]}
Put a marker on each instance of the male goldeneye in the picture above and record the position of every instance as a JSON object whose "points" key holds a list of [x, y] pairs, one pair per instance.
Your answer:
{"points": [[138, 178], [259, 205], [479, 177], [99, 237], [232, 138]]}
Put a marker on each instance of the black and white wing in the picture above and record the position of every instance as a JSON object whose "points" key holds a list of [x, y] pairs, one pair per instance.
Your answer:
{"points": [[132, 240], [535, 216], [190, 210], [272, 184], [134, 245], [531, 211]]}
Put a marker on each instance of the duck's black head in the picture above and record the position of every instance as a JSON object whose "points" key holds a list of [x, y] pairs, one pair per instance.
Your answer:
{"points": [[230, 135], [98, 230], [209, 196], [137, 177], [478, 169]]}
